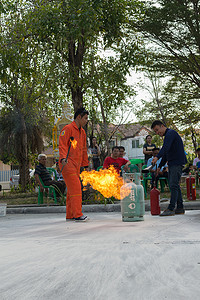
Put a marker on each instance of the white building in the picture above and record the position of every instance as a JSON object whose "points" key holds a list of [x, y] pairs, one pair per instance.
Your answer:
{"points": [[132, 137]]}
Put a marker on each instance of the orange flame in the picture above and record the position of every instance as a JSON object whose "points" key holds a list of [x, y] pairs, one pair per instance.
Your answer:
{"points": [[107, 182], [74, 143]]}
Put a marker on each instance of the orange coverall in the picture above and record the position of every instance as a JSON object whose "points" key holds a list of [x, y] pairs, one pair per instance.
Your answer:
{"points": [[77, 158]]}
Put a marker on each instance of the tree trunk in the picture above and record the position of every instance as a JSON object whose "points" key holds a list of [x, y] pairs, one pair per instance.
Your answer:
{"points": [[76, 51], [105, 124], [194, 140], [23, 157]]}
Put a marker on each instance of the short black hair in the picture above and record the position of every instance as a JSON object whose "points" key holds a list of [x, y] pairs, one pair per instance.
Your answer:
{"points": [[115, 147], [121, 147], [156, 148], [148, 135], [157, 122], [81, 111]]}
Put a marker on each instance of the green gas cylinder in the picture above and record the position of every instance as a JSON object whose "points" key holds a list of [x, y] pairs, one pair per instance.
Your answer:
{"points": [[132, 198]]}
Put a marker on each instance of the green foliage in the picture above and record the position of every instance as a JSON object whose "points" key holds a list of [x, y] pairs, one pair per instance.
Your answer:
{"points": [[176, 103], [48, 52], [26, 89], [172, 27]]}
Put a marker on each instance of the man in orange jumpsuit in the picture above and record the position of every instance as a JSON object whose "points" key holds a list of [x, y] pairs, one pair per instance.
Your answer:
{"points": [[77, 158]]}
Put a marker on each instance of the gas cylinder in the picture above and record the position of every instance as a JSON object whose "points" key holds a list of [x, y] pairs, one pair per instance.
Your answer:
{"points": [[132, 200], [191, 188], [155, 201]]}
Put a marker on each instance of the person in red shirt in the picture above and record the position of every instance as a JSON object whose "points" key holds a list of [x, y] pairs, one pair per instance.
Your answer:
{"points": [[77, 158], [116, 161]]}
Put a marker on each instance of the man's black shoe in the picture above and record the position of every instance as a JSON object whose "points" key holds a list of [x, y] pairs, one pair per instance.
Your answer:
{"points": [[82, 219], [179, 211], [167, 212]]}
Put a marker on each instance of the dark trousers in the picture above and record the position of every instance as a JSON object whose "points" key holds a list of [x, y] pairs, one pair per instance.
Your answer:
{"points": [[174, 184], [155, 179], [59, 186]]}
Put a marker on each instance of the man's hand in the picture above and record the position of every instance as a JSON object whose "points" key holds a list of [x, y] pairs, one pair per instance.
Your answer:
{"points": [[64, 162], [126, 167], [154, 160]]}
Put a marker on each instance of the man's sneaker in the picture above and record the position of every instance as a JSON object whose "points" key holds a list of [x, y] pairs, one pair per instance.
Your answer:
{"points": [[179, 211], [82, 218], [167, 212]]}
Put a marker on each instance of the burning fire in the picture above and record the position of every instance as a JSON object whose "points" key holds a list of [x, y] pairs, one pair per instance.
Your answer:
{"points": [[107, 182], [73, 143]]}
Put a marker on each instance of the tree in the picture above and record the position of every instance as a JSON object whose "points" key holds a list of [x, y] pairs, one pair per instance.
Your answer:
{"points": [[171, 29], [109, 93], [24, 92], [47, 49], [174, 102], [76, 29], [171, 34]]}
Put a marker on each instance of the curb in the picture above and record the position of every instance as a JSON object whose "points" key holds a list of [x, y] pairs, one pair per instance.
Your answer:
{"points": [[192, 205]]}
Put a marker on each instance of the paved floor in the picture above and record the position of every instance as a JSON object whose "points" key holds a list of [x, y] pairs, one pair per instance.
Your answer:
{"points": [[44, 257]]}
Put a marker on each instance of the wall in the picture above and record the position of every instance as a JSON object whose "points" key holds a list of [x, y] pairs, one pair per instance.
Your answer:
{"points": [[133, 152], [4, 167]]}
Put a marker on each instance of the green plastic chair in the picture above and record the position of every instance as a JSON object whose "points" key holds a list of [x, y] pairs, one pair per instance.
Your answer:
{"points": [[99, 168], [163, 181], [145, 180], [135, 161], [52, 171], [51, 190]]}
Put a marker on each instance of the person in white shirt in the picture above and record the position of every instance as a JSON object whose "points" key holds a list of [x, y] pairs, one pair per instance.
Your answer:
{"points": [[122, 153]]}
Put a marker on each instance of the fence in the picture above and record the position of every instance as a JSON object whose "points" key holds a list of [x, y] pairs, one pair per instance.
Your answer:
{"points": [[5, 175]]}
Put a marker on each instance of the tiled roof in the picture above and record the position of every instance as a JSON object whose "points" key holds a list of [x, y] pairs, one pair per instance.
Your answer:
{"points": [[128, 130]]}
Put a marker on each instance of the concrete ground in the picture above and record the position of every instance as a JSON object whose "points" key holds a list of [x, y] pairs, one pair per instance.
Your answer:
{"points": [[44, 257]]}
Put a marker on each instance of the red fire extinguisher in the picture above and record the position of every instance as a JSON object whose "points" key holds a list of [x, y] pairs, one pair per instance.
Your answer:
{"points": [[155, 201], [191, 188]]}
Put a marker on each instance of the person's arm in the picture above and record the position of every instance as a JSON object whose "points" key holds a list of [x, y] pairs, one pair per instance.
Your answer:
{"points": [[85, 161], [98, 150], [149, 162], [163, 162], [145, 151], [64, 142], [168, 140], [127, 163]]}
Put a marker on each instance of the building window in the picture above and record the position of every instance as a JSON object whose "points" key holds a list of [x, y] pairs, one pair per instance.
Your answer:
{"points": [[112, 144], [135, 144]]}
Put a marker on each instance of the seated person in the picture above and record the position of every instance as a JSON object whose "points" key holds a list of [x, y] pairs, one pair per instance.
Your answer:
{"points": [[163, 171], [44, 174], [187, 169], [197, 159], [122, 152], [116, 161]]}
